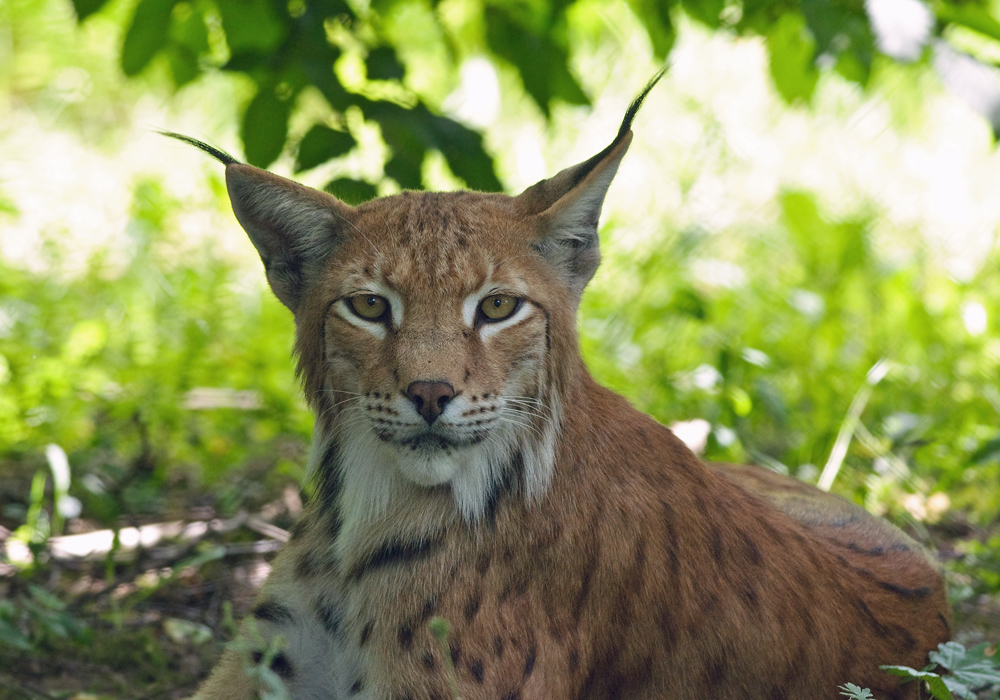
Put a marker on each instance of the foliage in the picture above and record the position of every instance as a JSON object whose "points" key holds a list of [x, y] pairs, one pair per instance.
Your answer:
{"points": [[854, 692], [109, 366], [969, 671], [33, 620], [360, 58], [772, 358]]}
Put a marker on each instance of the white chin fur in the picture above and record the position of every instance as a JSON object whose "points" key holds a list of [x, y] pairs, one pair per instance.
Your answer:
{"points": [[429, 468], [376, 475]]}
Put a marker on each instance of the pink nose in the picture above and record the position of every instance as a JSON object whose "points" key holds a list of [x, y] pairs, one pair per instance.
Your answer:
{"points": [[430, 398]]}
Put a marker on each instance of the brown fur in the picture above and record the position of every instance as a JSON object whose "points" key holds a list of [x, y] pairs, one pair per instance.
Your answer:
{"points": [[604, 560]]}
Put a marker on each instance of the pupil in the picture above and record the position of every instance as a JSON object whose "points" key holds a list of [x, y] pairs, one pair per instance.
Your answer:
{"points": [[371, 301], [497, 303]]}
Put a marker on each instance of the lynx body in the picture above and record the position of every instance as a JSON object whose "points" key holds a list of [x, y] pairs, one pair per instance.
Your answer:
{"points": [[465, 466]]}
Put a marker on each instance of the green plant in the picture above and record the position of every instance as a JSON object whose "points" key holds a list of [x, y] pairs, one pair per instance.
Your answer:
{"points": [[967, 671], [32, 620], [854, 692]]}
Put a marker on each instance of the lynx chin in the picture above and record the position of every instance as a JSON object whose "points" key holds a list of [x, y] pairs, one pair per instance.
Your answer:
{"points": [[466, 466]]}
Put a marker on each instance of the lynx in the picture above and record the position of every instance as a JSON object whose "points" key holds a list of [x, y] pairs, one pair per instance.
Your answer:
{"points": [[465, 466]]}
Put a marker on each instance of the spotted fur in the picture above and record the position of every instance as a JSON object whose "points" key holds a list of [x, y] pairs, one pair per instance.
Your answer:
{"points": [[470, 469]]}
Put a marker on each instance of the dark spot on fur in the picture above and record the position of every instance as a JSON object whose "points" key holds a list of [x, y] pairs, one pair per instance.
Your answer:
{"points": [[516, 695], [906, 639], [306, 565], [476, 669], [406, 637], [870, 618], [675, 562], [574, 660], [498, 647], [427, 659], [777, 694], [483, 563], [393, 554], [529, 661], [366, 632], [430, 605], [270, 610], [298, 529], [668, 628], [585, 582], [716, 545], [749, 597], [944, 623], [356, 687], [282, 666], [330, 617], [472, 606], [752, 551], [455, 650], [914, 593], [715, 672]]}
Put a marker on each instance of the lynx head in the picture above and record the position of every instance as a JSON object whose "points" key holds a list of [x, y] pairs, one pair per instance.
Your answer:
{"points": [[435, 331]]}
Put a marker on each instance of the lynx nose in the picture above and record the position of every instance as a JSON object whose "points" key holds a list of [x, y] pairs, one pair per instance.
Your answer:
{"points": [[430, 398]]}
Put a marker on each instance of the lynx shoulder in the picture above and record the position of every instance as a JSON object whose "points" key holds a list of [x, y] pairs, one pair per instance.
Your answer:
{"points": [[465, 466]]}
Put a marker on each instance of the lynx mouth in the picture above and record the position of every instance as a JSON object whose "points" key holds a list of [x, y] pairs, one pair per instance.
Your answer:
{"points": [[431, 441], [427, 442]]}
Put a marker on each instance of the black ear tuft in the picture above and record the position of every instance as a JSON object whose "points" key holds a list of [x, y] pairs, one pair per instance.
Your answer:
{"points": [[567, 206], [293, 227], [216, 153], [633, 108]]}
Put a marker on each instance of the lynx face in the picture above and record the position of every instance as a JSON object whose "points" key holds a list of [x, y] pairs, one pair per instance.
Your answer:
{"points": [[435, 365]]}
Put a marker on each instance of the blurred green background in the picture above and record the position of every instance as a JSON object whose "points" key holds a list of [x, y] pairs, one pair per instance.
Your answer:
{"points": [[800, 249]]}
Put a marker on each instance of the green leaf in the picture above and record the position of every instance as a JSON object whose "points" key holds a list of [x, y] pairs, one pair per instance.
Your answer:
{"points": [[855, 692], [705, 11], [934, 681], [970, 15], [792, 50], [146, 34], [188, 42], [970, 668], [13, 637], [383, 64], [252, 25], [542, 63], [85, 8], [463, 149], [655, 17], [410, 132], [988, 452], [321, 144], [354, 192], [264, 127], [842, 31]]}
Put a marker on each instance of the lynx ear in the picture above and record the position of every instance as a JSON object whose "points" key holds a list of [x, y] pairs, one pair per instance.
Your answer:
{"points": [[567, 207], [293, 227]]}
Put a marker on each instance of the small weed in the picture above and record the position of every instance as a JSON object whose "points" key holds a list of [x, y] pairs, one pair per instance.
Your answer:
{"points": [[964, 674]]}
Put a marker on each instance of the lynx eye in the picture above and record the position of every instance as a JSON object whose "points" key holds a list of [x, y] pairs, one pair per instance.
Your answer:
{"points": [[370, 307], [498, 307]]}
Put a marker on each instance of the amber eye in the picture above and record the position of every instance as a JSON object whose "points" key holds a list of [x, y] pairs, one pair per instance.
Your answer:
{"points": [[368, 306], [499, 307]]}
